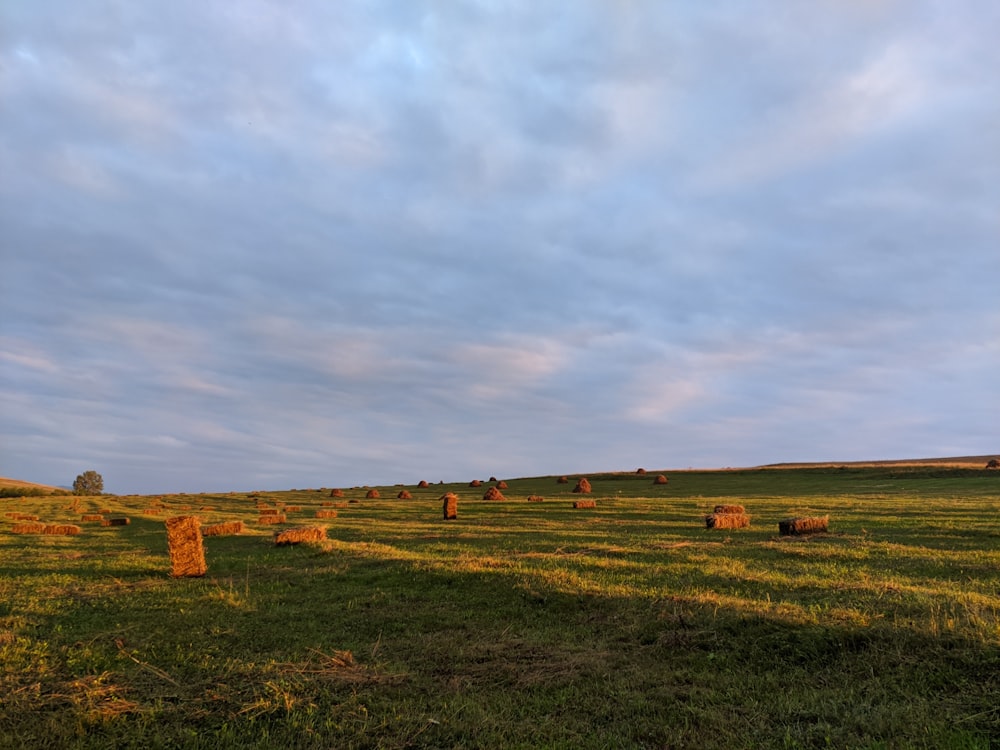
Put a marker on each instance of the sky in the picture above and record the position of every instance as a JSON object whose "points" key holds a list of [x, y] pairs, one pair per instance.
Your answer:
{"points": [[271, 245]]}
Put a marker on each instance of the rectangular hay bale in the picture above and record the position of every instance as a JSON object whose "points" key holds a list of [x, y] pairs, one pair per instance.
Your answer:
{"points": [[279, 518], [449, 506], [727, 521], [729, 509], [92, 518], [584, 503], [801, 526], [299, 535], [28, 528], [187, 553], [61, 529], [326, 513], [228, 528]]}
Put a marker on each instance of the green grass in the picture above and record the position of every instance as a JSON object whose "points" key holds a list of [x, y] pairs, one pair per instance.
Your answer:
{"points": [[520, 624]]}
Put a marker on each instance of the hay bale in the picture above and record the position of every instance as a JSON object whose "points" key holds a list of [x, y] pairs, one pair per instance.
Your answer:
{"points": [[372, 494], [660, 479], [404, 495], [501, 485], [299, 535], [493, 479], [336, 493], [727, 521], [493, 494], [279, 518], [23, 517], [535, 499], [187, 553], [269, 511], [801, 526], [28, 528], [582, 486], [91, 518], [449, 504], [476, 483], [120, 521], [422, 484], [229, 528], [640, 471], [729, 509], [293, 509], [152, 511], [584, 503], [326, 513], [562, 480]]}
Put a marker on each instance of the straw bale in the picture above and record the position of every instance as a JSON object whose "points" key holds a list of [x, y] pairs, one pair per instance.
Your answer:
{"points": [[493, 494], [729, 509], [61, 529], [476, 483], [404, 495], [340, 505], [584, 503], [23, 516], [279, 518], [640, 471], [423, 484], [535, 499], [800, 526], [326, 513], [336, 493], [493, 479], [449, 503], [152, 511], [660, 479], [269, 511], [187, 553], [229, 528], [501, 485], [582, 486], [372, 494], [293, 509], [727, 521], [91, 518], [28, 528], [562, 480], [300, 534]]}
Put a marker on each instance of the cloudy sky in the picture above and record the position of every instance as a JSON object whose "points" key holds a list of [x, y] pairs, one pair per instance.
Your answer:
{"points": [[271, 245]]}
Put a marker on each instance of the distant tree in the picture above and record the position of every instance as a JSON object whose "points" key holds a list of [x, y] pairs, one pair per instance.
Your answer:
{"points": [[88, 483]]}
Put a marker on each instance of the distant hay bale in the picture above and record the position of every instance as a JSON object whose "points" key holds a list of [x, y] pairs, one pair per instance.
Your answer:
{"points": [[727, 521], [28, 528], [341, 505], [535, 499], [801, 526], [119, 521], [293, 509], [269, 511], [660, 479], [582, 486], [493, 479], [562, 480], [422, 484], [501, 485], [493, 494], [476, 483], [61, 529], [584, 503], [187, 553], [152, 511], [326, 513], [299, 535], [449, 504], [372, 494], [280, 518], [336, 493], [91, 518], [640, 471], [229, 528], [404, 495], [729, 509], [22, 516]]}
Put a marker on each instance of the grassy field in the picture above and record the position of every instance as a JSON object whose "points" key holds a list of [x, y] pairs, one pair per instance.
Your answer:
{"points": [[518, 625]]}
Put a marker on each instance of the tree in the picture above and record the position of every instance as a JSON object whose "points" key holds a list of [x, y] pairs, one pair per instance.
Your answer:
{"points": [[88, 483]]}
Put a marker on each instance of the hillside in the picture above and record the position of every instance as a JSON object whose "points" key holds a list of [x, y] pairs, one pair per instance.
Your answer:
{"points": [[5, 482], [957, 462]]}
